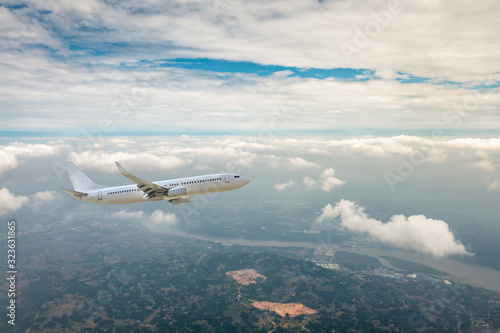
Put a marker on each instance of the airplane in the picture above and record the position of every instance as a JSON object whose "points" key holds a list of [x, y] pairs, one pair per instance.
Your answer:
{"points": [[175, 191]]}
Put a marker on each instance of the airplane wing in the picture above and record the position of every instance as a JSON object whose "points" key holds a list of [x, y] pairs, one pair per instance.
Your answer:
{"points": [[149, 188]]}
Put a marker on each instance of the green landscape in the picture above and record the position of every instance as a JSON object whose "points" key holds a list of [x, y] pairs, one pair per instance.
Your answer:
{"points": [[111, 280]]}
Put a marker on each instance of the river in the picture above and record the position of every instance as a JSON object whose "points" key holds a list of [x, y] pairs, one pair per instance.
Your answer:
{"points": [[476, 275]]}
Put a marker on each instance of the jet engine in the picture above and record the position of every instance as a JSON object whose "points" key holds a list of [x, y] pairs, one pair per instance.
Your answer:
{"points": [[176, 192], [179, 201]]}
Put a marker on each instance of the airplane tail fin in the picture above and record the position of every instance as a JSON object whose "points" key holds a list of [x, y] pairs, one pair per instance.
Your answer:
{"points": [[80, 181]]}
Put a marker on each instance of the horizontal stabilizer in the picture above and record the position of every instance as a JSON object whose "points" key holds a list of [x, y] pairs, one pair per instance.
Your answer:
{"points": [[74, 193]]}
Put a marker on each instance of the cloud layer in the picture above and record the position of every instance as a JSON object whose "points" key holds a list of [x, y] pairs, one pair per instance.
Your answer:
{"points": [[111, 62], [415, 232]]}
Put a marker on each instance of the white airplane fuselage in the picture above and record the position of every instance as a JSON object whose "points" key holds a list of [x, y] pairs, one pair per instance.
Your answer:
{"points": [[193, 186]]}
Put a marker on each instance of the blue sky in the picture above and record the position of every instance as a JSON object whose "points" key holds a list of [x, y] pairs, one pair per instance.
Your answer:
{"points": [[220, 67]]}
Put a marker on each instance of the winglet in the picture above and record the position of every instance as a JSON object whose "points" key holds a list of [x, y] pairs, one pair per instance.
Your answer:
{"points": [[144, 185], [122, 170]]}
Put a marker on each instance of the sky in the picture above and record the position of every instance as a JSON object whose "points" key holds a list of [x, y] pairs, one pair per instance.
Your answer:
{"points": [[381, 115]]}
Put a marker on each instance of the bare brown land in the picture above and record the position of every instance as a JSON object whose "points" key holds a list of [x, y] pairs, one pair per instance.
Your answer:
{"points": [[246, 276], [293, 309]]}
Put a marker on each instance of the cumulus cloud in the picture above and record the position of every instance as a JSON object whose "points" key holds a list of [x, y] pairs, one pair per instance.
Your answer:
{"points": [[416, 232], [300, 163], [8, 161], [310, 183], [285, 186], [10, 203], [40, 199], [159, 218], [326, 183]]}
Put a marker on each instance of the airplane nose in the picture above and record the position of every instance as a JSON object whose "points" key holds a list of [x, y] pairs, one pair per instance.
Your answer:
{"points": [[245, 181]]}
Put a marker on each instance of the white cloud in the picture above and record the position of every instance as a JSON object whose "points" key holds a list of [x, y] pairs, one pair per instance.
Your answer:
{"points": [[276, 32], [300, 163], [416, 232], [310, 183], [327, 213], [485, 165], [159, 218], [495, 185], [202, 167], [10, 203], [8, 161], [479, 144], [106, 161], [326, 183], [270, 32], [285, 186], [125, 215], [157, 221], [40, 199], [12, 155]]}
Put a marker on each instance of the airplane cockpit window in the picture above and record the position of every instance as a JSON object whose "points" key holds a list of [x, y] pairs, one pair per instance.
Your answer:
{"points": [[236, 176]]}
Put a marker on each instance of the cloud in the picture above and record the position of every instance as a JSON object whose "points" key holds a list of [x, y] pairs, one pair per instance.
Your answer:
{"points": [[106, 161], [157, 221], [285, 186], [10, 155], [125, 215], [115, 66], [10, 203], [159, 218], [326, 183], [485, 165], [300, 163], [416, 232], [495, 185], [238, 29], [8, 161], [310, 183], [327, 213], [40, 199]]}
